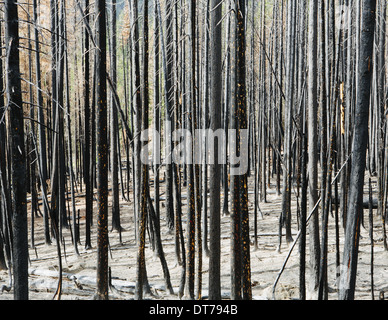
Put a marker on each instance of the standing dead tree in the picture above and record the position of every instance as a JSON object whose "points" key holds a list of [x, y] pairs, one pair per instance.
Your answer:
{"points": [[312, 121], [102, 151], [215, 168], [18, 155], [359, 149], [142, 108], [191, 215]]}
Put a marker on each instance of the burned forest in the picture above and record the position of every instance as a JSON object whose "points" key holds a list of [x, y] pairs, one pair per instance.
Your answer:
{"points": [[193, 150]]}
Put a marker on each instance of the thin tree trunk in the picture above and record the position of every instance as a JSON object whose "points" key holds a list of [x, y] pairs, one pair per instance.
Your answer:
{"points": [[227, 84], [114, 133], [88, 174], [304, 156], [215, 169], [142, 109], [246, 285], [70, 154], [196, 151], [18, 165], [157, 105], [102, 151], [177, 172], [63, 222], [54, 114], [303, 214], [42, 132], [205, 125], [312, 142], [169, 114], [288, 119], [5, 203], [371, 240], [31, 164], [234, 179], [191, 231], [323, 152], [359, 147]]}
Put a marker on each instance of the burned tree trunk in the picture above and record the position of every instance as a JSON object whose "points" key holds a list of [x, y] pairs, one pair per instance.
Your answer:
{"points": [[243, 152], [169, 115], [313, 141], [359, 148], [191, 231], [141, 268], [114, 134], [234, 179], [215, 168], [18, 156], [102, 151], [41, 130], [88, 174]]}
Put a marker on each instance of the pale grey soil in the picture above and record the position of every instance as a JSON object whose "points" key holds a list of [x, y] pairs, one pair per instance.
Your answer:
{"points": [[79, 272]]}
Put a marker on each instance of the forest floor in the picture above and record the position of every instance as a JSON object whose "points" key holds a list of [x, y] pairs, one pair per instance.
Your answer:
{"points": [[79, 272]]}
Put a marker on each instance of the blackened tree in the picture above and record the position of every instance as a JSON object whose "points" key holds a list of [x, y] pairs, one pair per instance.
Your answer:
{"points": [[359, 148], [102, 151], [18, 155]]}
